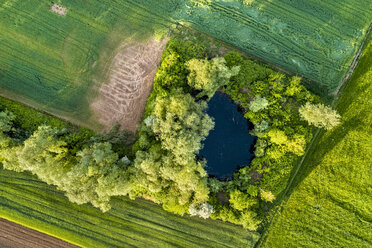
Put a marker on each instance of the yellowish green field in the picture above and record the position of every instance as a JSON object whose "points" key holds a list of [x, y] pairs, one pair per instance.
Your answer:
{"points": [[332, 205]]}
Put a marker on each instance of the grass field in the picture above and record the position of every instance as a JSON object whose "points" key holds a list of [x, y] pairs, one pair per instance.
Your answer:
{"points": [[316, 39], [332, 205], [25, 200], [52, 61], [55, 63]]}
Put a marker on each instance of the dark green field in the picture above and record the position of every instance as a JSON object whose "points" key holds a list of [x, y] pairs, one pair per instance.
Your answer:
{"points": [[314, 38], [25, 200], [332, 205], [53, 62]]}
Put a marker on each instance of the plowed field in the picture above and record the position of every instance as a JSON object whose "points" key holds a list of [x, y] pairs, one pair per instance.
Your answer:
{"points": [[13, 235], [122, 100]]}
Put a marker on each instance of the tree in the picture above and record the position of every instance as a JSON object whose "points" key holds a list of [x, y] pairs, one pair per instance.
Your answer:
{"points": [[260, 128], [296, 144], [267, 195], [181, 124], [278, 137], [204, 210], [215, 185], [209, 76], [166, 169], [95, 177], [175, 186], [250, 220], [320, 115], [260, 146], [294, 87], [43, 154], [259, 103], [241, 201], [6, 121]]}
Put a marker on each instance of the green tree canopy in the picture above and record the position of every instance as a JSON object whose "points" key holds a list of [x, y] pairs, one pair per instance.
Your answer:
{"points": [[167, 170], [258, 103], [43, 154], [6, 121], [181, 124], [320, 115], [209, 75], [95, 177]]}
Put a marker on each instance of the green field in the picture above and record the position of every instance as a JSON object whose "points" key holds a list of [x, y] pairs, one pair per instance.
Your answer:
{"points": [[139, 223], [332, 205], [314, 38], [53, 62]]}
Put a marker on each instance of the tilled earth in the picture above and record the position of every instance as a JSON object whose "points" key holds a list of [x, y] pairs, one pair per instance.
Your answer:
{"points": [[123, 99], [13, 235]]}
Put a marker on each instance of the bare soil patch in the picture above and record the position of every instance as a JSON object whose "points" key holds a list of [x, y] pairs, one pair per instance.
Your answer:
{"points": [[58, 9], [123, 98], [13, 235]]}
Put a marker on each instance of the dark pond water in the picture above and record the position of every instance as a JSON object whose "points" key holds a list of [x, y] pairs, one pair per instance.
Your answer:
{"points": [[229, 144]]}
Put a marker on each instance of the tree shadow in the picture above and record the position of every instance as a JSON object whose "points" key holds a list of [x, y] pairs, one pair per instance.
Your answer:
{"points": [[356, 88]]}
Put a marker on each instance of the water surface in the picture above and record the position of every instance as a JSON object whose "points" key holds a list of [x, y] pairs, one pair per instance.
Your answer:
{"points": [[228, 145]]}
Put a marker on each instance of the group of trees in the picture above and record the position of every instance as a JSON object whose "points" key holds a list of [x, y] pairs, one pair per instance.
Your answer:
{"points": [[165, 167], [209, 75], [280, 109], [92, 174]]}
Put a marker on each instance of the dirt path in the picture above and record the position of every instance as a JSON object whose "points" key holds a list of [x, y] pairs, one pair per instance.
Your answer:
{"points": [[13, 235], [123, 99]]}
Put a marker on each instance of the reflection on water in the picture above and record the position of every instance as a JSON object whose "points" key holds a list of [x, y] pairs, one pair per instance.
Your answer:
{"points": [[228, 145]]}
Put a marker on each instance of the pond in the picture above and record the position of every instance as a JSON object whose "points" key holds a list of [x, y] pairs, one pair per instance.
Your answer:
{"points": [[229, 145]]}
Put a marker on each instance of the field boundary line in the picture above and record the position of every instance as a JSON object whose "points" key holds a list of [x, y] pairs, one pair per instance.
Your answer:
{"points": [[283, 202], [354, 62], [16, 221], [284, 198]]}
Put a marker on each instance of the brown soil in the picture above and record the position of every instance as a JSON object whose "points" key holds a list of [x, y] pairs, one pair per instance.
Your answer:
{"points": [[123, 99], [13, 235]]}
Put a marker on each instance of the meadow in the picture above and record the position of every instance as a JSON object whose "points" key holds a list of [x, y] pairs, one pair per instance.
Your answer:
{"points": [[330, 204], [55, 63], [315, 39], [139, 223]]}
